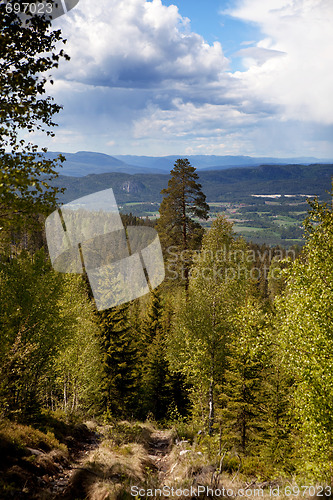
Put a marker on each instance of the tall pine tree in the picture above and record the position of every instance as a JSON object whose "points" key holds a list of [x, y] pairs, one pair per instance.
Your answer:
{"points": [[119, 363], [156, 375], [184, 201]]}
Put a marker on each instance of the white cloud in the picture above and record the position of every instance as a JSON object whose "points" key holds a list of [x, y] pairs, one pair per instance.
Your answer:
{"points": [[140, 81], [136, 43], [185, 119], [301, 82], [257, 55]]}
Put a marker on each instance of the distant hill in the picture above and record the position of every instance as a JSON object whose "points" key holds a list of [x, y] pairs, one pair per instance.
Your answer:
{"points": [[219, 185], [84, 163], [213, 162]]}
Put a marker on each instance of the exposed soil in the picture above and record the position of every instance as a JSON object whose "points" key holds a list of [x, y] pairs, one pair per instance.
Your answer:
{"points": [[159, 447], [58, 484], [52, 475]]}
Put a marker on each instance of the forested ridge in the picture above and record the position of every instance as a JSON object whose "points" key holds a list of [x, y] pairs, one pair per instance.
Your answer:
{"points": [[235, 343], [234, 184]]}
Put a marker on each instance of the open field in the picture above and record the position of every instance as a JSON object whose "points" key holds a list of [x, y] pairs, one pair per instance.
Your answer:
{"points": [[273, 222]]}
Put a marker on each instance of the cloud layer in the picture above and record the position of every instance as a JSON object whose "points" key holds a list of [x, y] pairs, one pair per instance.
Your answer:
{"points": [[140, 81], [138, 44], [300, 82]]}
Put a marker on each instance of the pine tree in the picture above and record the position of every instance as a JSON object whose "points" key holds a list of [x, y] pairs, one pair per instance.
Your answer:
{"points": [[156, 376], [119, 363], [278, 442], [184, 200], [244, 377], [178, 230]]}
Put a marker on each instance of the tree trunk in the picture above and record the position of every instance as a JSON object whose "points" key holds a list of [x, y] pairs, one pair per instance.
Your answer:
{"points": [[211, 408], [65, 393]]}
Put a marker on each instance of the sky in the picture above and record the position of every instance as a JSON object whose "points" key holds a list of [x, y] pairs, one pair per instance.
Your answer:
{"points": [[224, 77]]}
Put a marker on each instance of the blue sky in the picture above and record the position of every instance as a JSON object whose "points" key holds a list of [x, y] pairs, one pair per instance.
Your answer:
{"points": [[211, 20], [164, 77]]}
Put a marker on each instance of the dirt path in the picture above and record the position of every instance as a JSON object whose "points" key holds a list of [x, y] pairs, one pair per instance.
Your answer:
{"points": [[61, 484], [56, 485], [159, 447]]}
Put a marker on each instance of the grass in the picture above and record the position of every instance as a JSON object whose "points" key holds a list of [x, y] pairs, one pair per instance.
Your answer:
{"points": [[124, 432], [125, 458], [22, 436], [240, 229], [31, 455], [27, 454], [122, 460]]}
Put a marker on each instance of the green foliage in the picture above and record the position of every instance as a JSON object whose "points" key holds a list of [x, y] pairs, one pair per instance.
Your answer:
{"points": [[77, 371], [43, 317], [22, 436], [120, 371], [155, 367], [199, 346], [305, 334], [242, 394], [183, 202], [27, 52]]}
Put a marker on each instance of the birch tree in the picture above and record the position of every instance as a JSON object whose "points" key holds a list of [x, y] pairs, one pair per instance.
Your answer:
{"points": [[305, 315], [204, 331]]}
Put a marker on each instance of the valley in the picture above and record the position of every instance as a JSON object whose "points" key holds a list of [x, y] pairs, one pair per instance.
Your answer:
{"points": [[266, 203]]}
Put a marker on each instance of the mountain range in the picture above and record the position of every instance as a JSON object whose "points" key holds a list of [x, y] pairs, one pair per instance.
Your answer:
{"points": [[233, 184], [85, 163]]}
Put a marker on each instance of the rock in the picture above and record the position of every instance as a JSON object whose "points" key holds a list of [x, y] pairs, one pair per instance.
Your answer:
{"points": [[37, 453], [181, 443]]}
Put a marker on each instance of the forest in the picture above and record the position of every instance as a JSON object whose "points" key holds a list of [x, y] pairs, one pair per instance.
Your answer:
{"points": [[220, 377]]}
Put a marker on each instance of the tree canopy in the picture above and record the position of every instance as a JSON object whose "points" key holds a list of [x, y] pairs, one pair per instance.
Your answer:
{"points": [[27, 52]]}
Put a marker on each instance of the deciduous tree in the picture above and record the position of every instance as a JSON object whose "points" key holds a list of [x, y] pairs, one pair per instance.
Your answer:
{"points": [[27, 53], [204, 330], [305, 313]]}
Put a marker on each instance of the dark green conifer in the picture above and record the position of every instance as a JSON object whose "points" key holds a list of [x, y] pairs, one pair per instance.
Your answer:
{"points": [[156, 376], [178, 227], [183, 202], [119, 363]]}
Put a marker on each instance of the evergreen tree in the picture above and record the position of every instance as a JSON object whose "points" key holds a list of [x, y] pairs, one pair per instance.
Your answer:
{"points": [[120, 373], [184, 200], [278, 440], [156, 375], [244, 377]]}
